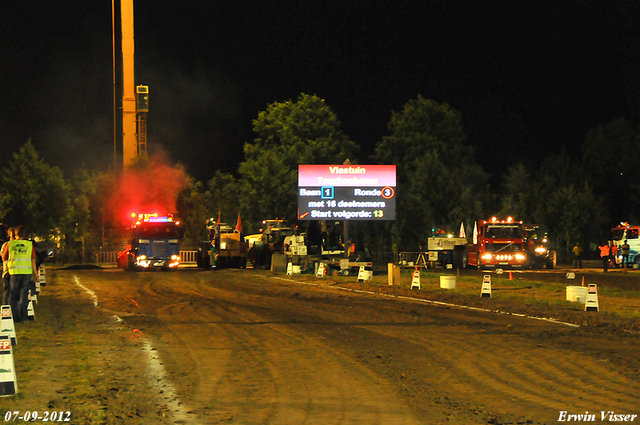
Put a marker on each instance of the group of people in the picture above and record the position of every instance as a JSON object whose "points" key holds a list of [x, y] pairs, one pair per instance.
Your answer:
{"points": [[361, 255], [19, 270], [608, 254]]}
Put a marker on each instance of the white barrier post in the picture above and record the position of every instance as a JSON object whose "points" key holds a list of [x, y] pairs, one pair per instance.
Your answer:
{"points": [[592, 298], [8, 380], [415, 278], [7, 327], [31, 312], [486, 286]]}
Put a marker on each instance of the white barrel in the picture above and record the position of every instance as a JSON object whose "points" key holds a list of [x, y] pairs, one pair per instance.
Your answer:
{"points": [[447, 282], [577, 294]]}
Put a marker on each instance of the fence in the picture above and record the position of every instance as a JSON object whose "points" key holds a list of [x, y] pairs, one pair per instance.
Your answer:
{"points": [[111, 257], [106, 257]]}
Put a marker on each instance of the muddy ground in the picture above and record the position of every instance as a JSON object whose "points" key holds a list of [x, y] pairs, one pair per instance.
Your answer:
{"points": [[254, 347]]}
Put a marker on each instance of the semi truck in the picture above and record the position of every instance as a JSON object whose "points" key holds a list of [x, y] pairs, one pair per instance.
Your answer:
{"points": [[154, 243], [498, 244]]}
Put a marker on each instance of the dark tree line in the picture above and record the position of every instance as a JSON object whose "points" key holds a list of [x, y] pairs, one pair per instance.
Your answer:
{"points": [[574, 197]]}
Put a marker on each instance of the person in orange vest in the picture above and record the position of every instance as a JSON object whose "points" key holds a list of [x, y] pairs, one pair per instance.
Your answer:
{"points": [[604, 255], [352, 251], [613, 253]]}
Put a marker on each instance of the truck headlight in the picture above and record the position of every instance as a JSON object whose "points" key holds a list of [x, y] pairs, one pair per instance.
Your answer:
{"points": [[541, 250], [520, 257]]}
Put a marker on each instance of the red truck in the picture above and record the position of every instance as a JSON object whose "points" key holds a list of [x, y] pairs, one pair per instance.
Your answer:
{"points": [[498, 244]]}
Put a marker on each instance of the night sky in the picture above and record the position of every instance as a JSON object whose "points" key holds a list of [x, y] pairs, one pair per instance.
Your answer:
{"points": [[529, 77]]}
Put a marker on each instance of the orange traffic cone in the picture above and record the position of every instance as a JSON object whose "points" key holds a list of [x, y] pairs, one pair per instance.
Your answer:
{"points": [[510, 276]]}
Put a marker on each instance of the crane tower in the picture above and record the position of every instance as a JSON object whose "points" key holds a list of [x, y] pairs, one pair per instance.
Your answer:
{"points": [[135, 100]]}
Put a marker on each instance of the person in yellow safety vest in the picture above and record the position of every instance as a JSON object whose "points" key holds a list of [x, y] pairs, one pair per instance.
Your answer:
{"points": [[21, 263], [625, 253], [604, 255], [577, 252]]}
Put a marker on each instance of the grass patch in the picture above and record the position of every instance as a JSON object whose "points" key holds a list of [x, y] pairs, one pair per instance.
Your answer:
{"points": [[70, 359], [526, 293]]}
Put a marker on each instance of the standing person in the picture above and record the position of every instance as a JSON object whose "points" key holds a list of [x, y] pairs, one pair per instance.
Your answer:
{"points": [[577, 252], [625, 253], [5, 271], [212, 255], [366, 253], [21, 259], [604, 255], [613, 253], [352, 251]]}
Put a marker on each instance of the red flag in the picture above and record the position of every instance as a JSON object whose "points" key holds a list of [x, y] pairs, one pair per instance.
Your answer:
{"points": [[239, 225]]}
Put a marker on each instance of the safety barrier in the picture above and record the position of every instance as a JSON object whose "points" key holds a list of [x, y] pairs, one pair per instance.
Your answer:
{"points": [[107, 257], [188, 257]]}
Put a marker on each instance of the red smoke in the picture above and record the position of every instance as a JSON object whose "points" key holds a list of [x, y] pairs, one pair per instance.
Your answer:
{"points": [[149, 186]]}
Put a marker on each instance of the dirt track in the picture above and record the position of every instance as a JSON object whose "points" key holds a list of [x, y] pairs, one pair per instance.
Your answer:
{"points": [[252, 347]]}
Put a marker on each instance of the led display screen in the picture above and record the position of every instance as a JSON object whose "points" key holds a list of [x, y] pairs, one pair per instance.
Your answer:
{"points": [[346, 192]]}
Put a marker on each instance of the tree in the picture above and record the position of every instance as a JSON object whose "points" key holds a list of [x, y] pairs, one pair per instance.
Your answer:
{"points": [[566, 206], [223, 190], [438, 181], [39, 195], [611, 153], [288, 134], [570, 214], [82, 235], [519, 194]]}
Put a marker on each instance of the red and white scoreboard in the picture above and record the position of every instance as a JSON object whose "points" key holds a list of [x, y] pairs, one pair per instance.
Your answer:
{"points": [[346, 192]]}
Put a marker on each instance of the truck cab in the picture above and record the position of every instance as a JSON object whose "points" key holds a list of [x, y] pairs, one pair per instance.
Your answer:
{"points": [[500, 244], [627, 232], [154, 244]]}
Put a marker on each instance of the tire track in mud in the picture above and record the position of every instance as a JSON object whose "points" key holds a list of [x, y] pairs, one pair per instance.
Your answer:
{"points": [[504, 369], [257, 350], [157, 377], [548, 379], [556, 380], [274, 373]]}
